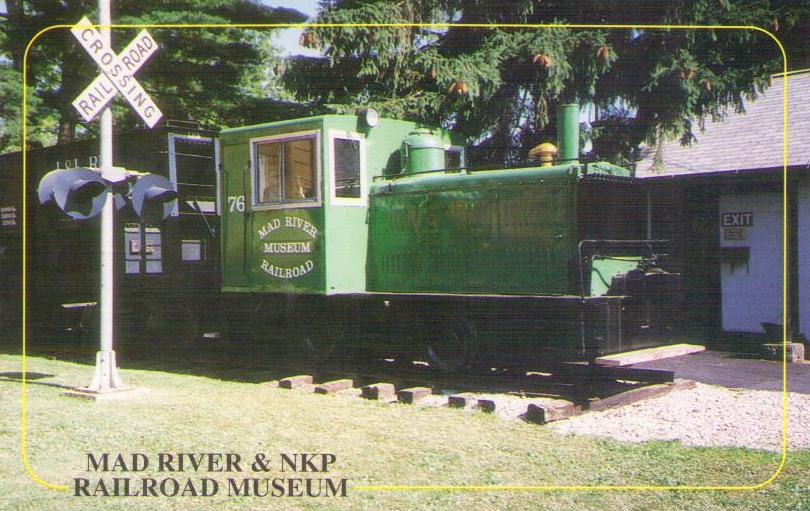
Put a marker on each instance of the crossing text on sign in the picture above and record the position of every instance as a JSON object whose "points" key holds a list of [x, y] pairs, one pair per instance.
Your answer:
{"points": [[117, 74]]}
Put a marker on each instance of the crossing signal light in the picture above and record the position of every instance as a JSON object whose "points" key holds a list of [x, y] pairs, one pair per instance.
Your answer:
{"points": [[81, 192], [153, 197], [78, 191]]}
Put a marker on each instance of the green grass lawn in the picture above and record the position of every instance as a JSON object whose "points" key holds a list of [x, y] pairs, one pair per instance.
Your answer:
{"points": [[375, 444]]}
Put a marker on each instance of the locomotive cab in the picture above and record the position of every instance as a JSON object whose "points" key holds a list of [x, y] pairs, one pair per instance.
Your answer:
{"points": [[295, 198]]}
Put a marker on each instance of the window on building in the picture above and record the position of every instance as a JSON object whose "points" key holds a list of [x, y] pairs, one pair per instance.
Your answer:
{"points": [[192, 250], [152, 251], [286, 170], [347, 168], [142, 250], [132, 248], [8, 216]]}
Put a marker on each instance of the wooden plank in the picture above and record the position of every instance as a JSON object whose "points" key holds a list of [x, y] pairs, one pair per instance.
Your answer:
{"points": [[542, 413], [330, 387], [580, 373], [413, 395], [462, 401], [633, 374], [633, 395], [487, 405], [648, 354], [380, 392], [297, 381]]}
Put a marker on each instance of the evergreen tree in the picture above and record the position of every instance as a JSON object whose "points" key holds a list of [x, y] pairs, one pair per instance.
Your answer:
{"points": [[213, 76], [499, 86]]}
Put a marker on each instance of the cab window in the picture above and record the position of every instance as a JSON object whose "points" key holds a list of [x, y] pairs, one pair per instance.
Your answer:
{"points": [[348, 183], [454, 157], [347, 168], [286, 170]]}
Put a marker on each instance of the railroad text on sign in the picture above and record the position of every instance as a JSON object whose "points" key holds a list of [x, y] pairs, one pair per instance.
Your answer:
{"points": [[117, 74]]}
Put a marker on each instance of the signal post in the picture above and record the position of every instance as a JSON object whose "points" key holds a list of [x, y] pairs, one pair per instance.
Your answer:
{"points": [[106, 377], [116, 77]]}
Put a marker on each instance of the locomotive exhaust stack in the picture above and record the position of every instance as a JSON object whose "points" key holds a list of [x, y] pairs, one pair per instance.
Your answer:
{"points": [[568, 134], [567, 149]]}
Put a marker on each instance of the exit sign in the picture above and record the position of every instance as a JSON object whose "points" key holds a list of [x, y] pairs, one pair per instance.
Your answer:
{"points": [[745, 219]]}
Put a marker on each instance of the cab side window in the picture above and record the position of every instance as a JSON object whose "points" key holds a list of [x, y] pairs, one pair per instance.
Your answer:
{"points": [[454, 157], [347, 173], [347, 168], [286, 170]]}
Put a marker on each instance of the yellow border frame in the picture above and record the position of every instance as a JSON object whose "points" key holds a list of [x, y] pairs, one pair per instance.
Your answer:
{"points": [[783, 460]]}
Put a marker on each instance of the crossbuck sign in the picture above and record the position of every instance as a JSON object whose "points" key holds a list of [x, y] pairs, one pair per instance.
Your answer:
{"points": [[117, 74]]}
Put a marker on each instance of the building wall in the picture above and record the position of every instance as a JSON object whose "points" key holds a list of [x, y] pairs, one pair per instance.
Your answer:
{"points": [[751, 285], [804, 256]]}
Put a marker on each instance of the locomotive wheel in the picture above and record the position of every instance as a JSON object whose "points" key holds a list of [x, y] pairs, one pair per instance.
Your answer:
{"points": [[451, 343], [316, 330], [319, 344], [266, 328], [317, 337]]}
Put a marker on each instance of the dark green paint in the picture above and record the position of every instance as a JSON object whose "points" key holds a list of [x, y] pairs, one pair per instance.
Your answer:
{"points": [[338, 251], [568, 133], [509, 231], [506, 231], [422, 151]]}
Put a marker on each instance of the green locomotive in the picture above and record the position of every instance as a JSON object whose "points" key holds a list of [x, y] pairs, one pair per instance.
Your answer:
{"points": [[359, 228]]}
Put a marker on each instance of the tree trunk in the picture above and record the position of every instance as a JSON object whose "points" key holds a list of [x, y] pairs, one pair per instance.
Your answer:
{"points": [[17, 44]]}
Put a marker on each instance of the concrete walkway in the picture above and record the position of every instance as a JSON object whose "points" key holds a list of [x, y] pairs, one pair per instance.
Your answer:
{"points": [[721, 368]]}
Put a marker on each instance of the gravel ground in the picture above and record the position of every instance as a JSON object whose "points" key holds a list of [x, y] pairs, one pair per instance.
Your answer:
{"points": [[707, 415]]}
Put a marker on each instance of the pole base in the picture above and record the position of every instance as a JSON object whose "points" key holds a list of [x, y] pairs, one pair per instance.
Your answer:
{"points": [[106, 378]]}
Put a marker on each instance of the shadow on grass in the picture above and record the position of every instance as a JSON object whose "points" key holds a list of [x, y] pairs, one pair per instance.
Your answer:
{"points": [[256, 362], [243, 361], [31, 379], [28, 376]]}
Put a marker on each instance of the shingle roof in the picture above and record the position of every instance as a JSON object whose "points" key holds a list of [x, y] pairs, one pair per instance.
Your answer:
{"points": [[744, 141]]}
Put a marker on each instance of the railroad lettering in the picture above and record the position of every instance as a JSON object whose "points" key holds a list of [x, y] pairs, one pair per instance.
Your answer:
{"points": [[211, 462], [307, 462], [113, 67], [137, 462], [269, 227], [287, 273], [288, 248], [145, 487], [292, 487], [300, 223]]}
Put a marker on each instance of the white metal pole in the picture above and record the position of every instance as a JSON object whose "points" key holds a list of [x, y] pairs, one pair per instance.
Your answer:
{"points": [[106, 161], [106, 377]]}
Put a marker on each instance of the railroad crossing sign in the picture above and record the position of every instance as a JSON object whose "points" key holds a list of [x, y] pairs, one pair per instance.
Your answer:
{"points": [[117, 74]]}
